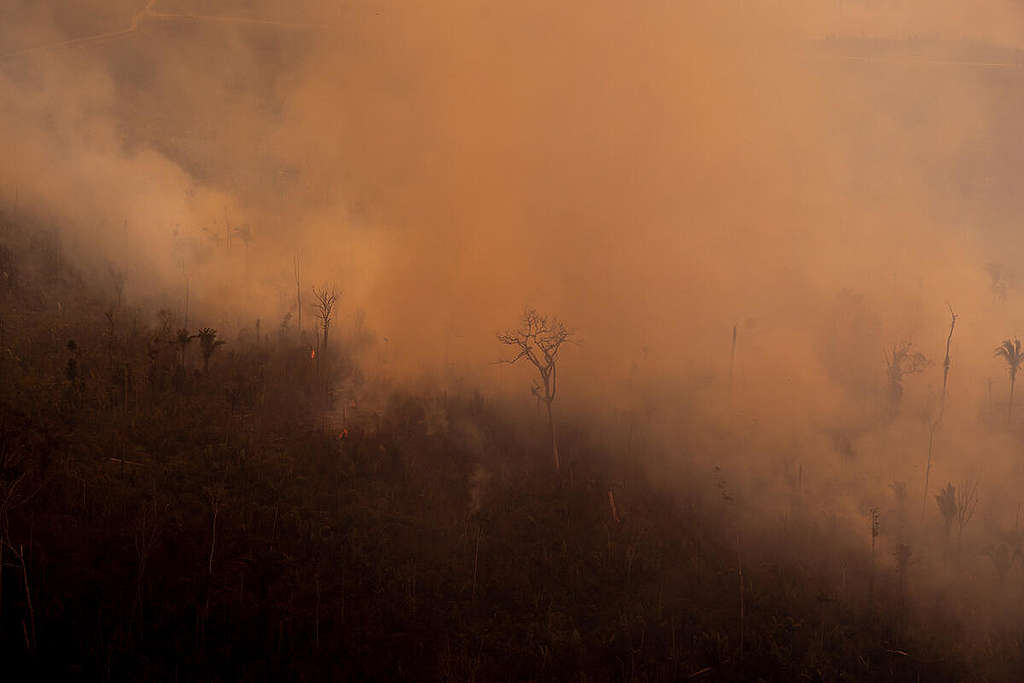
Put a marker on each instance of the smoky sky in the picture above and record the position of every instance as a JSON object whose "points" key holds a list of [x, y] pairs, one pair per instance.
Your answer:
{"points": [[825, 178]]}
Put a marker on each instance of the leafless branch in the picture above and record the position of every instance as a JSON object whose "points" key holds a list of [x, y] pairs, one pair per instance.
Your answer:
{"points": [[324, 302]]}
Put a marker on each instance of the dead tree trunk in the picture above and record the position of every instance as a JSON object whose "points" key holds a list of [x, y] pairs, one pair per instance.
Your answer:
{"points": [[554, 440], [298, 294], [1009, 410], [539, 339]]}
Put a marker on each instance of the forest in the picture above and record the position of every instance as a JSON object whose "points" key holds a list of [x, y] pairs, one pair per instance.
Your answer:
{"points": [[484, 341], [177, 506]]}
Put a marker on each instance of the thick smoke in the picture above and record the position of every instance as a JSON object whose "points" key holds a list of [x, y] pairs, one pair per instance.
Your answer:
{"points": [[655, 173]]}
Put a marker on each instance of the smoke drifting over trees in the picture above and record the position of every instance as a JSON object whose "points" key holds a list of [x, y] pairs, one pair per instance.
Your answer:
{"points": [[759, 216]]}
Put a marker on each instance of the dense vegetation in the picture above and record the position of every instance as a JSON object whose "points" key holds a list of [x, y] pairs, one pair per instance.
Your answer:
{"points": [[164, 519]]}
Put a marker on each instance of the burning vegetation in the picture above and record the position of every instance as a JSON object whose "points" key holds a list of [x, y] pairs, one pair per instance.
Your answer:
{"points": [[622, 361]]}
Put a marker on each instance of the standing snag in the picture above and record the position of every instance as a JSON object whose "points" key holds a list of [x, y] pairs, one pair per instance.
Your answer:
{"points": [[946, 363], [934, 427], [298, 293], [876, 526], [539, 339], [732, 360], [324, 305]]}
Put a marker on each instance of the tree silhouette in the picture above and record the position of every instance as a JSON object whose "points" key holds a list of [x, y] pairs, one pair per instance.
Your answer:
{"points": [[208, 343], [966, 504], [539, 339], [182, 339], [902, 360], [946, 500], [244, 233], [999, 281], [298, 291], [324, 305], [1011, 352], [934, 427]]}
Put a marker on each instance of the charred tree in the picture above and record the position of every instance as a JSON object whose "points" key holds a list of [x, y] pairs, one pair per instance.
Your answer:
{"points": [[324, 302], [539, 339]]}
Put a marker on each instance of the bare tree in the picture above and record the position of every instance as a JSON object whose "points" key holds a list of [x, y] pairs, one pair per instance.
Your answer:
{"points": [[10, 499], [146, 536], [539, 340], [934, 427], [117, 279], [946, 363], [876, 526], [298, 293], [227, 228], [13, 498], [1011, 352], [732, 362], [215, 495], [324, 301]]}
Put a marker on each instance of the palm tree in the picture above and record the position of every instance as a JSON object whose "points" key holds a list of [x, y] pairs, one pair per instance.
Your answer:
{"points": [[1010, 351], [208, 343], [182, 340]]}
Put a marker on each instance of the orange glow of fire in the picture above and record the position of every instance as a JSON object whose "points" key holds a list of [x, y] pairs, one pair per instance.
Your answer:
{"points": [[312, 354]]}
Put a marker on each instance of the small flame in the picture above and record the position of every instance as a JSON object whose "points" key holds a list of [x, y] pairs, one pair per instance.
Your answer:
{"points": [[343, 434], [312, 354]]}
